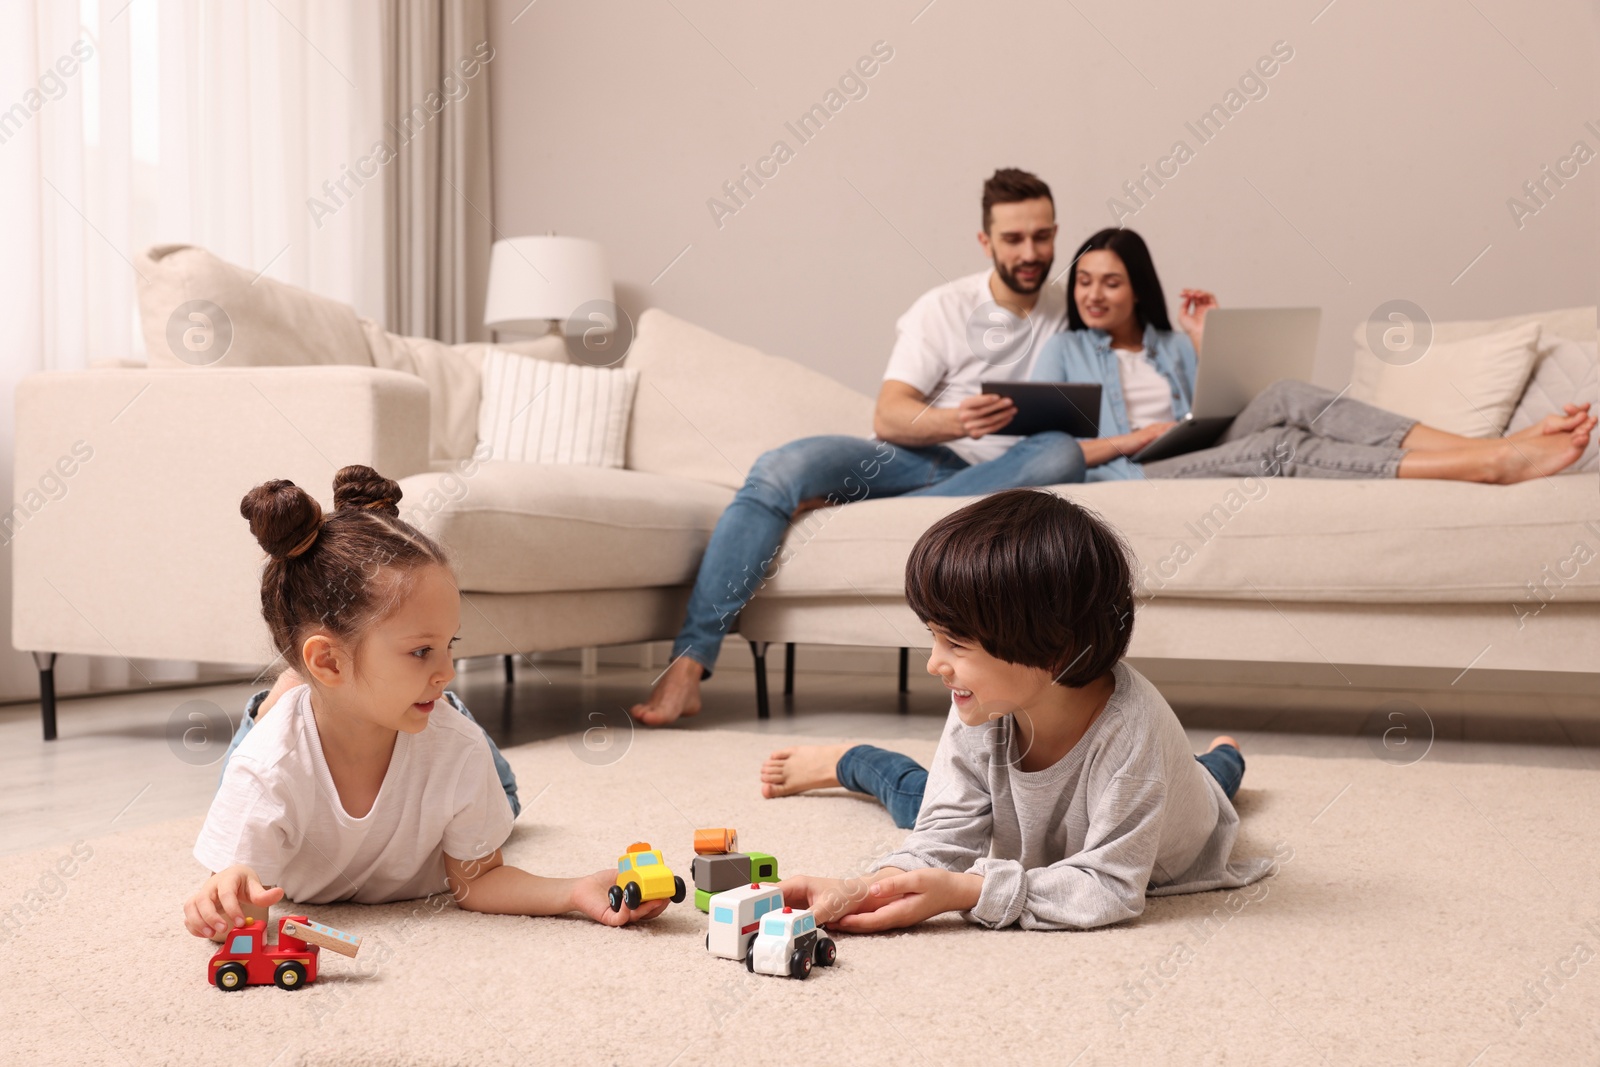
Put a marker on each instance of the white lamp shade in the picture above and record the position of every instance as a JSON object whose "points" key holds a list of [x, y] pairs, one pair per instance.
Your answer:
{"points": [[535, 279]]}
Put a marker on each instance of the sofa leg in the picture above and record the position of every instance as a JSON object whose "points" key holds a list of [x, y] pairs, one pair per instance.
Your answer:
{"points": [[758, 649], [46, 662], [511, 673], [788, 669], [905, 667]]}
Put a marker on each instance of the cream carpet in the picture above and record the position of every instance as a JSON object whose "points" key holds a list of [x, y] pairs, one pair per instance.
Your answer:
{"points": [[1434, 913]]}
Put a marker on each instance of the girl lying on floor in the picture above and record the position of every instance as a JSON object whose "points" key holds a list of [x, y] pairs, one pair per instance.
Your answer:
{"points": [[1063, 790], [367, 781]]}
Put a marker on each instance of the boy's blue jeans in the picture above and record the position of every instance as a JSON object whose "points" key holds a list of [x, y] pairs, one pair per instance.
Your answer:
{"points": [[508, 781], [743, 552], [899, 781]]}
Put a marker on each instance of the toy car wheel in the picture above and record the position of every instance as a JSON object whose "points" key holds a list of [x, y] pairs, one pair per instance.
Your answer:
{"points": [[614, 895], [633, 895], [799, 964], [679, 890], [750, 962], [827, 951], [231, 976], [289, 975]]}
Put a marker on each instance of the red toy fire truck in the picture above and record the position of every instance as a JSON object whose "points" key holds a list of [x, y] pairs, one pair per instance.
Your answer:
{"points": [[246, 958]]}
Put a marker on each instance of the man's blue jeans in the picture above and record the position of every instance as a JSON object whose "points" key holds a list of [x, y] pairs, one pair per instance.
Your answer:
{"points": [[744, 550], [899, 781]]}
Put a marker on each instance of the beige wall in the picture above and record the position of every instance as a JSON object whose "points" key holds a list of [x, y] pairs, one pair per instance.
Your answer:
{"points": [[1377, 166]]}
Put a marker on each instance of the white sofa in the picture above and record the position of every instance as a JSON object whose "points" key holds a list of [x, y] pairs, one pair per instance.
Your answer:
{"points": [[143, 552]]}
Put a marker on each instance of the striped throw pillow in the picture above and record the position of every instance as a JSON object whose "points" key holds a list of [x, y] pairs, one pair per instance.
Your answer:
{"points": [[537, 411]]}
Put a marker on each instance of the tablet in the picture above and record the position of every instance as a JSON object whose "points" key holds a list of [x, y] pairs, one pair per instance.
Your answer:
{"points": [[1071, 407]]}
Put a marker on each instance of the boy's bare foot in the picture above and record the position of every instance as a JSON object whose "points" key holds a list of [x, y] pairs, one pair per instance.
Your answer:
{"points": [[1222, 739], [676, 694], [804, 767]]}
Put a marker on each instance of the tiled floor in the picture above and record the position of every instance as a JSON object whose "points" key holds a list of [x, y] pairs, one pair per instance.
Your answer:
{"points": [[129, 760]]}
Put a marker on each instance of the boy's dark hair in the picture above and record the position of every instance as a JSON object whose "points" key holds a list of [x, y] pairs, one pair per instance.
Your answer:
{"points": [[1149, 302], [1010, 186], [338, 574], [1031, 578]]}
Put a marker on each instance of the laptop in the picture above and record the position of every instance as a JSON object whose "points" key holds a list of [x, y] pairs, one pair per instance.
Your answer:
{"points": [[1072, 407], [1244, 351]]}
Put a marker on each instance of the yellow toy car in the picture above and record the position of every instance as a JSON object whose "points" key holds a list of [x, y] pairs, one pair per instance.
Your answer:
{"points": [[643, 875]]}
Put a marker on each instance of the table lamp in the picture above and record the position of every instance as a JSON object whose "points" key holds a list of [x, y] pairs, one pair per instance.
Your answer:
{"points": [[537, 283]]}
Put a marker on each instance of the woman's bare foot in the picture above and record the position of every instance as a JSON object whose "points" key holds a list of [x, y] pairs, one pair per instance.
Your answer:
{"points": [[675, 696], [804, 767], [1575, 416], [1536, 457], [1222, 739]]}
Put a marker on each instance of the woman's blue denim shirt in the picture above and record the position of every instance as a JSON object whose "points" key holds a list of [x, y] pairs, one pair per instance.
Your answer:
{"points": [[1086, 356]]}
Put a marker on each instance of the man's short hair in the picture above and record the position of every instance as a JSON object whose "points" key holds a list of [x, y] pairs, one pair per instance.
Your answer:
{"points": [[1031, 578], [1009, 185]]}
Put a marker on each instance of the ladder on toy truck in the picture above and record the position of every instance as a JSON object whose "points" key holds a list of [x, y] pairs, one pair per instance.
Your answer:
{"points": [[246, 958]]}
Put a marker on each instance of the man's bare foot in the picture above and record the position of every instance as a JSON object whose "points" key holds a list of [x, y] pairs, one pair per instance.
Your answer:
{"points": [[1222, 739], [1576, 415], [676, 694], [1542, 455], [804, 767]]}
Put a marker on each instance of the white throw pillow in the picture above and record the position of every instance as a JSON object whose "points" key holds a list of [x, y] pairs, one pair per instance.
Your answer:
{"points": [[1466, 387], [1568, 373], [537, 411]]}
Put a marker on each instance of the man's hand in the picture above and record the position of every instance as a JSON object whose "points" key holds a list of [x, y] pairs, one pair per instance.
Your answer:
{"points": [[985, 413], [906, 898], [590, 896], [219, 905]]}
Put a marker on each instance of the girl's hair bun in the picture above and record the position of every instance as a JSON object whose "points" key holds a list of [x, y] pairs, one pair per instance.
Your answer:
{"points": [[364, 489], [284, 518]]}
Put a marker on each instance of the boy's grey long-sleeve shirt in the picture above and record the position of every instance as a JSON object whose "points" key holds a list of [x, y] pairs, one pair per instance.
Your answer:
{"points": [[1128, 811]]}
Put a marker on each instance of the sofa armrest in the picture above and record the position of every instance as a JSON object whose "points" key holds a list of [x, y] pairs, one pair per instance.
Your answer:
{"points": [[125, 529]]}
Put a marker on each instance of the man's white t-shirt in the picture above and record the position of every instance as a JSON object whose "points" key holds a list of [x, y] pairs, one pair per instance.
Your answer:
{"points": [[278, 812], [1145, 391], [955, 338]]}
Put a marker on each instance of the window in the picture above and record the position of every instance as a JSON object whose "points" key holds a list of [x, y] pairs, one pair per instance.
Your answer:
{"points": [[241, 943], [722, 915], [764, 905], [646, 860], [773, 927], [624, 864], [805, 925]]}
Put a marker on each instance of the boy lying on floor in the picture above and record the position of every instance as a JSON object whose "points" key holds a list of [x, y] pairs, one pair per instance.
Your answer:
{"points": [[1063, 790]]}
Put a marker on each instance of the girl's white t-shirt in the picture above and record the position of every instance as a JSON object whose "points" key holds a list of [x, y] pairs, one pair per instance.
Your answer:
{"points": [[1147, 394], [278, 812]]}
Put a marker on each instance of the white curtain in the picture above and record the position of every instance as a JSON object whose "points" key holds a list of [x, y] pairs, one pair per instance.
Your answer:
{"points": [[231, 124]]}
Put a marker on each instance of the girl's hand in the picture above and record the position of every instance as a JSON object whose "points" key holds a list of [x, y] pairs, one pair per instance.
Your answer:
{"points": [[908, 897], [590, 896], [1192, 307], [218, 906], [831, 898]]}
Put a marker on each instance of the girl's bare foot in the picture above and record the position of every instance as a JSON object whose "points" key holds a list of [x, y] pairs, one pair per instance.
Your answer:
{"points": [[804, 767], [676, 694], [1222, 739]]}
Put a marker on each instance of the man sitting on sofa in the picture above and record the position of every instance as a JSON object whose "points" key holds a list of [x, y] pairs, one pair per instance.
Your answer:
{"points": [[936, 431]]}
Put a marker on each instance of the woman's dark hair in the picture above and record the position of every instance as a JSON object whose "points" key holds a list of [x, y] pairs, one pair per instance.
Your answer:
{"points": [[1031, 578], [1149, 302], [340, 573]]}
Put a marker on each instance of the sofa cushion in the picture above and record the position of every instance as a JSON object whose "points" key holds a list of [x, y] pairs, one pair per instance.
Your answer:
{"points": [[1573, 324], [1568, 374], [1466, 387], [707, 407], [535, 411], [1402, 542], [269, 323], [533, 527]]}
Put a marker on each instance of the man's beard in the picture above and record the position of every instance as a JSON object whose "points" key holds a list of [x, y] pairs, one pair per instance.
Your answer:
{"points": [[1010, 280]]}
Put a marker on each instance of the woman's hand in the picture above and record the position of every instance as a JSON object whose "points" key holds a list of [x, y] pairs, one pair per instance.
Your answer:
{"points": [[906, 898], [219, 905], [591, 895], [1130, 443], [1192, 307]]}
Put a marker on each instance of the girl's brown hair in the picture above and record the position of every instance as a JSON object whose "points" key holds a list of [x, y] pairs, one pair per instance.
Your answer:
{"points": [[338, 573]]}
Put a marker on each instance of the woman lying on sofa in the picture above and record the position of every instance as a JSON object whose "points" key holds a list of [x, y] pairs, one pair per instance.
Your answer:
{"points": [[1119, 336]]}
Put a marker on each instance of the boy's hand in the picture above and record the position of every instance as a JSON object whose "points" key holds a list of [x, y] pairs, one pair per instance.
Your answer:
{"points": [[218, 906], [590, 896], [831, 898], [905, 898]]}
